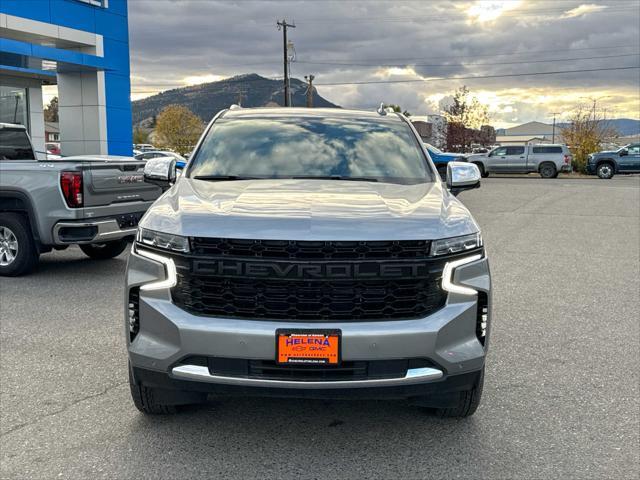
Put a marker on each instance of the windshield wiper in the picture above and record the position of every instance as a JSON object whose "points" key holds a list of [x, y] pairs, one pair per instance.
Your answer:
{"points": [[220, 178], [334, 177]]}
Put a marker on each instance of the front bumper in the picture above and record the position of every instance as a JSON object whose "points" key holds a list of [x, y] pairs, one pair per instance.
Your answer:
{"points": [[168, 336]]}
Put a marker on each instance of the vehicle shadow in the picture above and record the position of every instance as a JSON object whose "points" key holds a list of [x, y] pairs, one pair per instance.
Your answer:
{"points": [[72, 262], [292, 438]]}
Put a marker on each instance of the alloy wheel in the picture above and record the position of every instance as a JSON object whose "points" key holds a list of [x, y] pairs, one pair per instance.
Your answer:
{"points": [[8, 247], [605, 171]]}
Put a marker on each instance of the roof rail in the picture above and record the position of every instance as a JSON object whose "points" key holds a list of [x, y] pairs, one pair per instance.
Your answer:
{"points": [[235, 106]]}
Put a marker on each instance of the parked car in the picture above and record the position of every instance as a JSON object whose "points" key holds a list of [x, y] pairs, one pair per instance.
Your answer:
{"points": [[143, 147], [607, 164], [441, 159], [92, 201], [322, 258], [548, 160], [53, 148]]}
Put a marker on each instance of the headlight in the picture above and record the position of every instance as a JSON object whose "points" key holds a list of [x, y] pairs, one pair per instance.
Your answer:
{"points": [[166, 241], [445, 246]]}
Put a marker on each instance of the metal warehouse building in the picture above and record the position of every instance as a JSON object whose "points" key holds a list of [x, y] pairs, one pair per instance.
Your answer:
{"points": [[83, 47]]}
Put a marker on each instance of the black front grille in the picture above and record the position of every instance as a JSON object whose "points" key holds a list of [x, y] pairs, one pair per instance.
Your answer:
{"points": [[385, 280], [310, 250]]}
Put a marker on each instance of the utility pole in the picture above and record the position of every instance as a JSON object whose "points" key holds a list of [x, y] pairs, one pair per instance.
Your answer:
{"points": [[241, 93], [553, 130], [309, 79], [284, 25]]}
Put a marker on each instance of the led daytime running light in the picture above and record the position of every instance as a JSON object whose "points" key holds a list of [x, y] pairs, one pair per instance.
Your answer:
{"points": [[449, 270]]}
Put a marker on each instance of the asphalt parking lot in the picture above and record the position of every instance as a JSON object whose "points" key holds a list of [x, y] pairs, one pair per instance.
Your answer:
{"points": [[560, 399]]}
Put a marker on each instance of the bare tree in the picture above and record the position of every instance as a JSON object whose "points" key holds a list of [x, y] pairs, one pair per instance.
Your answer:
{"points": [[178, 128], [587, 130]]}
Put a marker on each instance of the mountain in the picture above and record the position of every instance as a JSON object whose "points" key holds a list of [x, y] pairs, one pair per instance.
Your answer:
{"points": [[207, 99], [624, 126]]}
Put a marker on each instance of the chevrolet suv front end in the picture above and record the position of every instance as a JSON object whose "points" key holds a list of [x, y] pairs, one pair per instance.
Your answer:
{"points": [[308, 253]]}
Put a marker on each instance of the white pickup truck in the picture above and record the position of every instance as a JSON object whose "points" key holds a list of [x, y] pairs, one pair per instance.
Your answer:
{"points": [[547, 160]]}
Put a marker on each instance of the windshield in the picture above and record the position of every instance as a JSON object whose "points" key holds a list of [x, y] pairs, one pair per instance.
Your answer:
{"points": [[295, 147], [431, 148]]}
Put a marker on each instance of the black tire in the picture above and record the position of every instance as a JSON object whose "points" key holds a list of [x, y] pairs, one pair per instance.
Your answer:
{"points": [[104, 251], [467, 404], [548, 170], [480, 166], [18, 252], [605, 170], [145, 401]]}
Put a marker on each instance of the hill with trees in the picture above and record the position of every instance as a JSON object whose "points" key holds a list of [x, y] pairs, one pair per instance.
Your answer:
{"points": [[207, 99]]}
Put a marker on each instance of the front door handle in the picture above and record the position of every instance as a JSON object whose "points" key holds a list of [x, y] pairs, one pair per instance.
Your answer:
{"points": [[521, 157]]}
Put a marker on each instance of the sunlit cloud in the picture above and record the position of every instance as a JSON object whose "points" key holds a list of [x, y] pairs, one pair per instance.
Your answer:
{"points": [[583, 10], [198, 79], [396, 71], [488, 10]]}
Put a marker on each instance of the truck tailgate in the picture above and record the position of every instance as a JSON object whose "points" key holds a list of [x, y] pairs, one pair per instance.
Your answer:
{"points": [[116, 180]]}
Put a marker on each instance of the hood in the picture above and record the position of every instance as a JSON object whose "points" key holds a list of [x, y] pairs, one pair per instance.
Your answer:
{"points": [[309, 210], [606, 152]]}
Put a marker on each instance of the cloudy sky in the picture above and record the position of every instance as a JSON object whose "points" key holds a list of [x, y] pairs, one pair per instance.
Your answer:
{"points": [[428, 43]]}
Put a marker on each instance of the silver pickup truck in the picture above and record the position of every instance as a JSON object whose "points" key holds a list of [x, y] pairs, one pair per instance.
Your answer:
{"points": [[92, 201], [547, 160]]}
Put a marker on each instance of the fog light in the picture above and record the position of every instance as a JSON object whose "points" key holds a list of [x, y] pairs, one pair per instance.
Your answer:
{"points": [[134, 313]]}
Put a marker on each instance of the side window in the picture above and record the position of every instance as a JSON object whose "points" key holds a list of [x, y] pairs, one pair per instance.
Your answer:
{"points": [[634, 149], [515, 150], [547, 149], [499, 152], [15, 145]]}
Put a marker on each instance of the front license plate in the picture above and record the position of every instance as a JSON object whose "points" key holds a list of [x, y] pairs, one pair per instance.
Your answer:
{"points": [[308, 347]]}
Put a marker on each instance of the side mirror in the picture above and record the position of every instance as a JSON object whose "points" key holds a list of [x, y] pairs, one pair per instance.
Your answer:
{"points": [[160, 171], [624, 152], [462, 176]]}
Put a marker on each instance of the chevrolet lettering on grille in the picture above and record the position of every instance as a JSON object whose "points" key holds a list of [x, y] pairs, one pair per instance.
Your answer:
{"points": [[305, 271]]}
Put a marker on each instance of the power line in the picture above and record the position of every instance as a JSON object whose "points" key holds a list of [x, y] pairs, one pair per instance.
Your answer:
{"points": [[555, 50], [513, 13], [532, 74], [465, 64]]}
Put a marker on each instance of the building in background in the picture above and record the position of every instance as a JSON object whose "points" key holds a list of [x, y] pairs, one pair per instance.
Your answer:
{"points": [[432, 129], [51, 132], [438, 131], [424, 129], [529, 133], [83, 47]]}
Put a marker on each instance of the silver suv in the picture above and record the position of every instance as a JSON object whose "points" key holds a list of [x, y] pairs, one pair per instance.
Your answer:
{"points": [[308, 252]]}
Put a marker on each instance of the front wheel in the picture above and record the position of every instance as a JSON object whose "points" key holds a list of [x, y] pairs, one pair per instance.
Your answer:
{"points": [[483, 172], [145, 400], [468, 402], [605, 171], [104, 251], [18, 251]]}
